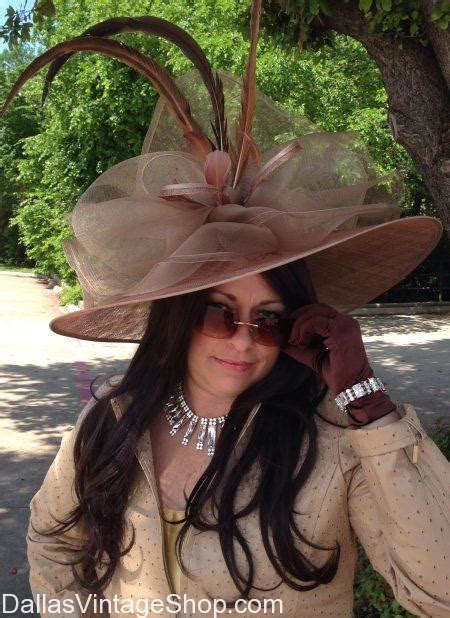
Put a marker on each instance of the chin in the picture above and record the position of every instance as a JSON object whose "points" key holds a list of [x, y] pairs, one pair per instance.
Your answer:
{"points": [[232, 386]]}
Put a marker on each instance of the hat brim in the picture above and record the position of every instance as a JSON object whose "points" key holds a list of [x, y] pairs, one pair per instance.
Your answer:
{"points": [[348, 269]]}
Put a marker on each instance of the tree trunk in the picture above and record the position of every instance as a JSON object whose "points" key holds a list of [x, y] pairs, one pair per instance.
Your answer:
{"points": [[418, 96], [439, 39]]}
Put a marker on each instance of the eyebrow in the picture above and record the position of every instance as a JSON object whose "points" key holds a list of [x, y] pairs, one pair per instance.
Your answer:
{"points": [[264, 302]]}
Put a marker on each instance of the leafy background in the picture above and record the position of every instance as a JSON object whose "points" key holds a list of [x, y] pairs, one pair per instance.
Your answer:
{"points": [[98, 111]]}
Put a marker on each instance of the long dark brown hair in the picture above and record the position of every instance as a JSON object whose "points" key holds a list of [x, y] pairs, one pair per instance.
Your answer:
{"points": [[105, 461]]}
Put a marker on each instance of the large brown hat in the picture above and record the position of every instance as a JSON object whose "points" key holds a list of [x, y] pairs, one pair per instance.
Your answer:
{"points": [[198, 208]]}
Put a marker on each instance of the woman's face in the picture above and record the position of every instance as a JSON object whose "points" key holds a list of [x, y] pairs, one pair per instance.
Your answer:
{"points": [[248, 298]]}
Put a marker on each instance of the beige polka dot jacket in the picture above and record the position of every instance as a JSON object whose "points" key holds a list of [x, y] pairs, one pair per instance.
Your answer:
{"points": [[387, 487]]}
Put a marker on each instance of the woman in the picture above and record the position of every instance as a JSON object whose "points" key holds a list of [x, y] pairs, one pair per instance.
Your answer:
{"points": [[275, 510], [234, 269]]}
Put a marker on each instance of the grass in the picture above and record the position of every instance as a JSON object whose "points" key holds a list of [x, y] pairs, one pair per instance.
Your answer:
{"points": [[19, 269]]}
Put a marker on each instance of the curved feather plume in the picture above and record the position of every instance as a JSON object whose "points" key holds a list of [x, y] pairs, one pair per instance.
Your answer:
{"points": [[197, 142], [245, 121], [286, 153], [148, 24]]}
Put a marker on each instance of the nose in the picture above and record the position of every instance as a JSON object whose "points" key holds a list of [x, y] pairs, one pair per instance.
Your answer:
{"points": [[242, 339]]}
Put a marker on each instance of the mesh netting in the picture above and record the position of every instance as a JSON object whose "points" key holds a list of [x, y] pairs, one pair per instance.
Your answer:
{"points": [[133, 245]]}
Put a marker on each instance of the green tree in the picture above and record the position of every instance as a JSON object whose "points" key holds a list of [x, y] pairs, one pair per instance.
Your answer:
{"points": [[14, 131], [98, 110], [410, 42], [408, 39]]}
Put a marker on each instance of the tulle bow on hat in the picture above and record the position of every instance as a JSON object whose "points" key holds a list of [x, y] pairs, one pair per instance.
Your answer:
{"points": [[227, 184]]}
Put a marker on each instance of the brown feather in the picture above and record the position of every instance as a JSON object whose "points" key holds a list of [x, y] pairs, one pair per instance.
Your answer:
{"points": [[217, 168], [197, 145], [286, 153], [233, 154], [245, 121], [161, 80], [254, 149], [161, 27]]}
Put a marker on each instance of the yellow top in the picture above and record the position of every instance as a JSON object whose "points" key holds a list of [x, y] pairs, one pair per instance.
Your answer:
{"points": [[170, 535]]}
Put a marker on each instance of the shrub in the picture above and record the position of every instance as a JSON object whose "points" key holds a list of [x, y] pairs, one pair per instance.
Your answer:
{"points": [[70, 294]]}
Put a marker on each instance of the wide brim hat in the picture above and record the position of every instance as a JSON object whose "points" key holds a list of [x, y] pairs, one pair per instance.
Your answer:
{"points": [[196, 209], [348, 269]]}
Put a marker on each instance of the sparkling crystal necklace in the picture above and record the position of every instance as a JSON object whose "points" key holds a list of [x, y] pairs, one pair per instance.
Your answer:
{"points": [[178, 413]]}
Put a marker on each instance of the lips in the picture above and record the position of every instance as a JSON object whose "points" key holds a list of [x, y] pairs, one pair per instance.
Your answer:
{"points": [[237, 366]]}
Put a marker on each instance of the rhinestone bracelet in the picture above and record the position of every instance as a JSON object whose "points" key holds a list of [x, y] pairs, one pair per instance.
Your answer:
{"points": [[371, 385]]}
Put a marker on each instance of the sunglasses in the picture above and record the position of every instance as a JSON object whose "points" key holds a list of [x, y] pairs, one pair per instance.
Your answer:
{"points": [[219, 322]]}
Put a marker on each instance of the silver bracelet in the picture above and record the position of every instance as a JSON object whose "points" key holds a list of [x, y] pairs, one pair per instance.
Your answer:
{"points": [[371, 385]]}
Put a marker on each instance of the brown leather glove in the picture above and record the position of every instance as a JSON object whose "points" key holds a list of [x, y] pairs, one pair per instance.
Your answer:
{"points": [[331, 344]]}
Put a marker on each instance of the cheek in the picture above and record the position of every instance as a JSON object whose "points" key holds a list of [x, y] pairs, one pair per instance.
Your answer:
{"points": [[200, 347], [270, 357]]}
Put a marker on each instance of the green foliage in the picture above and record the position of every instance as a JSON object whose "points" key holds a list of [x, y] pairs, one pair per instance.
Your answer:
{"points": [[441, 436], [70, 294], [373, 597], [18, 24], [14, 129], [20, 269], [42, 230], [441, 14], [299, 21], [98, 110], [301, 18], [398, 18], [11, 249]]}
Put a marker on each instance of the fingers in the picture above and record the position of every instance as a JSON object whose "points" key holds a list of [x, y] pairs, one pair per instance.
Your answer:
{"points": [[311, 357], [303, 331], [325, 321], [330, 343]]}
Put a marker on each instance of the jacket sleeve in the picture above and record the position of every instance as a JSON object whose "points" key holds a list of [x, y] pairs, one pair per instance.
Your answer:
{"points": [[398, 497], [55, 498]]}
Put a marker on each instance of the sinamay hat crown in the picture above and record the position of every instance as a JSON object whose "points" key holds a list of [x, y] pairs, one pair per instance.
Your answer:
{"points": [[226, 185]]}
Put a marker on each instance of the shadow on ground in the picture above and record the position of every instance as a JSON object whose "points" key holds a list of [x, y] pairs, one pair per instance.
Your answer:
{"points": [[39, 404], [411, 355], [402, 324], [46, 398]]}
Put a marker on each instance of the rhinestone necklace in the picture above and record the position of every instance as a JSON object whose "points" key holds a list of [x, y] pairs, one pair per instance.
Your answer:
{"points": [[178, 413]]}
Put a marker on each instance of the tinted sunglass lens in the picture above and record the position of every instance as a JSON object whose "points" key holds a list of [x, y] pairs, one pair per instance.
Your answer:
{"points": [[274, 331], [217, 322], [269, 331]]}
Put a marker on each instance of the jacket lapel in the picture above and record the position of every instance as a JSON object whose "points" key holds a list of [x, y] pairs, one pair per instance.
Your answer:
{"points": [[144, 452], [143, 448]]}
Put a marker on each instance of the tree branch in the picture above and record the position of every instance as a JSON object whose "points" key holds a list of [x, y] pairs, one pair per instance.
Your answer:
{"points": [[439, 38], [418, 98]]}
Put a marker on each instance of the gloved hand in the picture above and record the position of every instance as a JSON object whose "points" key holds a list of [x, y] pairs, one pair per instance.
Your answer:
{"points": [[331, 344]]}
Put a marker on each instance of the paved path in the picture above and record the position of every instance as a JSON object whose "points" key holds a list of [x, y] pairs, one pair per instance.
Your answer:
{"points": [[411, 355], [44, 379]]}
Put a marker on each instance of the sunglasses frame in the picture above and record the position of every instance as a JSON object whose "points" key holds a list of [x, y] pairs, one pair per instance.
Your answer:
{"points": [[284, 322]]}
